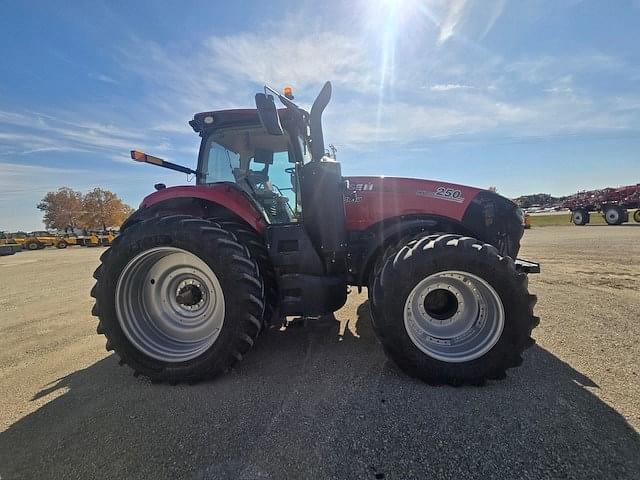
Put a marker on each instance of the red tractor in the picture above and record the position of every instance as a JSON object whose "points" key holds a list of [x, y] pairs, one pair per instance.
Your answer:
{"points": [[272, 229]]}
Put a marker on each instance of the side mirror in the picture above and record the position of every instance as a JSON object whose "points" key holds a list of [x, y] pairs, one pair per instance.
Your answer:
{"points": [[263, 156], [268, 114]]}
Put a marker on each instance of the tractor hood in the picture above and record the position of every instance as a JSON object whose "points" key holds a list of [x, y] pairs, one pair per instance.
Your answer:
{"points": [[481, 213], [385, 197]]}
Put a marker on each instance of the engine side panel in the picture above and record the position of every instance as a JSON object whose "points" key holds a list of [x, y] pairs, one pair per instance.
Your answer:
{"points": [[375, 199]]}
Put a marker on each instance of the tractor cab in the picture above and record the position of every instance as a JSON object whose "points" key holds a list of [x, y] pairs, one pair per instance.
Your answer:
{"points": [[262, 165]]}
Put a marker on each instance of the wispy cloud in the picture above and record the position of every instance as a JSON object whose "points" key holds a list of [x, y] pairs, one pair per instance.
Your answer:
{"points": [[474, 18], [495, 11], [103, 78], [471, 114], [28, 132], [454, 17], [293, 57], [224, 70], [545, 68], [559, 89], [440, 87]]}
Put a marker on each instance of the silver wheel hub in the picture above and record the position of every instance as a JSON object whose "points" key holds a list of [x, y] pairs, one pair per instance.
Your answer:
{"points": [[612, 215], [170, 304], [190, 295], [454, 316]]}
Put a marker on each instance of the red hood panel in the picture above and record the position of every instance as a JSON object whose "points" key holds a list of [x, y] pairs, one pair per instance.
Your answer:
{"points": [[379, 198]]}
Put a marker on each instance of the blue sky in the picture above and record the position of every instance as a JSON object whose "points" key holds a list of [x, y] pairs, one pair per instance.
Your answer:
{"points": [[530, 96]]}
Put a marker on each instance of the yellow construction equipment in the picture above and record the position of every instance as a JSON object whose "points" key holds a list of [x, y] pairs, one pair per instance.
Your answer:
{"points": [[34, 240], [98, 239]]}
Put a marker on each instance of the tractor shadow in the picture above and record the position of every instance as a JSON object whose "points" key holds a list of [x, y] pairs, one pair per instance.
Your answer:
{"points": [[310, 402]]}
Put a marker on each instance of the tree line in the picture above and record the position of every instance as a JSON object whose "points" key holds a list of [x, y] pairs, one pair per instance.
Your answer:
{"points": [[96, 209], [541, 199]]}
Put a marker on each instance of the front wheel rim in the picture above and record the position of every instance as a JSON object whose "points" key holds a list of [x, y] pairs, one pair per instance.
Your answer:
{"points": [[454, 316], [170, 304]]}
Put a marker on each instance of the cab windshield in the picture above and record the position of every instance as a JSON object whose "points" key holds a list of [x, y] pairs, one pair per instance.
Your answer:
{"points": [[263, 165]]}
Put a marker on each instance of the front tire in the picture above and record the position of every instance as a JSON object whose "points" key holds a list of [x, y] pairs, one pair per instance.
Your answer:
{"points": [[178, 299], [580, 217], [451, 310], [636, 215]]}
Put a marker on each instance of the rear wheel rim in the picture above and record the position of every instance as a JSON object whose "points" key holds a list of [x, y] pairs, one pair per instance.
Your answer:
{"points": [[170, 304], [577, 217], [454, 316]]}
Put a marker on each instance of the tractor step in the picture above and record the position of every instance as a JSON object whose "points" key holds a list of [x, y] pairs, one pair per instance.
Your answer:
{"points": [[311, 295], [526, 266]]}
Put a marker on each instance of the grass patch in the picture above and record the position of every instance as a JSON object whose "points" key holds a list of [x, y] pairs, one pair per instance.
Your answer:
{"points": [[563, 220]]}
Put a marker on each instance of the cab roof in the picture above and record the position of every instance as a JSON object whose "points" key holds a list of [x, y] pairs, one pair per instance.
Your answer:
{"points": [[205, 121]]}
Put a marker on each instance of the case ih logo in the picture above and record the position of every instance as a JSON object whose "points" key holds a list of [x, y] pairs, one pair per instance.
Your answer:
{"points": [[363, 187], [443, 193]]}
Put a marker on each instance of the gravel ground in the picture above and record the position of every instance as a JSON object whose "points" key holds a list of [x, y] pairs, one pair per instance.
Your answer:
{"points": [[321, 400]]}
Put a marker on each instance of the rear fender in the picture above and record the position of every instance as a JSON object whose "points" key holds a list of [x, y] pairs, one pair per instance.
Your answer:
{"points": [[220, 200]]}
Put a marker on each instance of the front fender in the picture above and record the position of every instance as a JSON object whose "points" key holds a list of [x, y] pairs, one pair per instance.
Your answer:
{"points": [[377, 238]]}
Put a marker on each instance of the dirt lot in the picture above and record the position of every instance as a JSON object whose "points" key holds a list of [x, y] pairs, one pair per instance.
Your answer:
{"points": [[322, 401]]}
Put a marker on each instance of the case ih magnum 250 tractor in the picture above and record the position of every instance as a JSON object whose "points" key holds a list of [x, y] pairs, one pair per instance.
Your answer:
{"points": [[272, 229]]}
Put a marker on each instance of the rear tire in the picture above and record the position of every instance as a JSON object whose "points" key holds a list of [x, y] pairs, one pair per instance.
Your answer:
{"points": [[258, 250], [61, 244], [475, 327], [226, 286], [614, 215], [580, 217]]}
